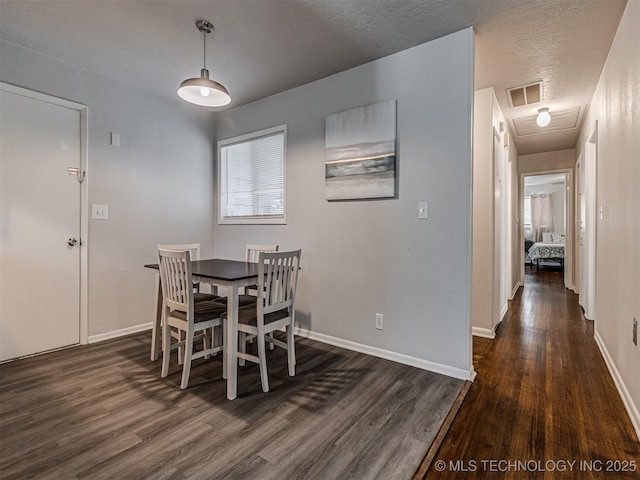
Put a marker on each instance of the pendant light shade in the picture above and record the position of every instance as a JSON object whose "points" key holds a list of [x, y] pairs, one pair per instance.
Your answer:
{"points": [[203, 91], [543, 118]]}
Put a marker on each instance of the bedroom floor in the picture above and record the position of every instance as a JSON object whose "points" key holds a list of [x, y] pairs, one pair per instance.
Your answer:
{"points": [[547, 265]]}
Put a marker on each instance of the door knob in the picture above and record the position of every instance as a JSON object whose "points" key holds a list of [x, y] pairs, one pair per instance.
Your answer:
{"points": [[72, 242]]}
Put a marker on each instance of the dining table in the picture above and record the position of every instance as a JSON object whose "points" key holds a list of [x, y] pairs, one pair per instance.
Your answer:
{"points": [[219, 272]]}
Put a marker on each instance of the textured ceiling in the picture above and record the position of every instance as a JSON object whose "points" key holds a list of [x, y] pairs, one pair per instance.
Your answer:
{"points": [[562, 42], [262, 47]]}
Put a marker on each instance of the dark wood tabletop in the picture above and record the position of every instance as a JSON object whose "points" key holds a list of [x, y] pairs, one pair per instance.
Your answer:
{"points": [[220, 269]]}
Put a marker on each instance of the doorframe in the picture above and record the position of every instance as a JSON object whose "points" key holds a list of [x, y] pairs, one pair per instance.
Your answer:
{"points": [[590, 166], [84, 195], [568, 225], [501, 263], [577, 267]]}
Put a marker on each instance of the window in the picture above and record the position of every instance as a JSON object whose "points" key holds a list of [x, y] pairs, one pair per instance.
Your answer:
{"points": [[252, 177]]}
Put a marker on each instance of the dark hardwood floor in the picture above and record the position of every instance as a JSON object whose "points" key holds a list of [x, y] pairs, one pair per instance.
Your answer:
{"points": [[543, 397], [102, 412]]}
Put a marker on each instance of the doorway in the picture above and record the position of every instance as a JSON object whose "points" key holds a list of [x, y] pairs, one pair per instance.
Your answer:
{"points": [[42, 158], [547, 208]]}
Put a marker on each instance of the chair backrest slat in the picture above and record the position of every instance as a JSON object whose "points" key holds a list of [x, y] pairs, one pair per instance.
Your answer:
{"points": [[253, 251], [194, 248], [278, 272]]}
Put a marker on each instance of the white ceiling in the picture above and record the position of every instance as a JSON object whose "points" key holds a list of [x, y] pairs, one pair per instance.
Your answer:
{"points": [[262, 47]]}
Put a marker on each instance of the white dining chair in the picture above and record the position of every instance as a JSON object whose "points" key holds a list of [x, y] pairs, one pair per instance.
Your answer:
{"points": [[180, 312], [274, 310], [194, 252], [252, 254]]}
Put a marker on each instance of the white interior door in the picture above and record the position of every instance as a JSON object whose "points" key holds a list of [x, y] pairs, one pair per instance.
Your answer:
{"points": [[40, 213]]}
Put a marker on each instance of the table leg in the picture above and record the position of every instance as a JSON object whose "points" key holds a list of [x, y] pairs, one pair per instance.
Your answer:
{"points": [[231, 342], [156, 346]]}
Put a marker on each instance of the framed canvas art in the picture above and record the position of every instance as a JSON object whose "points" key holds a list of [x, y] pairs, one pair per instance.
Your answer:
{"points": [[360, 153]]}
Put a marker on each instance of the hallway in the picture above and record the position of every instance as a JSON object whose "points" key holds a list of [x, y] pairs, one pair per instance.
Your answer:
{"points": [[543, 398]]}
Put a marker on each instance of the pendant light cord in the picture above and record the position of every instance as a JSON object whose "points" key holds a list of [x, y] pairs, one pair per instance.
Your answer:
{"points": [[204, 34]]}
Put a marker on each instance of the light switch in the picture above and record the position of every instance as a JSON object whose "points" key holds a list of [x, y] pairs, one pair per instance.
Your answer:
{"points": [[115, 139], [423, 210], [99, 212]]}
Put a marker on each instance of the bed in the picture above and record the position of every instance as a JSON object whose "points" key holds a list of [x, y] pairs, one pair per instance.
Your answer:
{"points": [[551, 248]]}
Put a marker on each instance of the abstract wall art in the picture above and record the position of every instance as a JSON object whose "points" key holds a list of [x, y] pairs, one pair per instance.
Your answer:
{"points": [[360, 153]]}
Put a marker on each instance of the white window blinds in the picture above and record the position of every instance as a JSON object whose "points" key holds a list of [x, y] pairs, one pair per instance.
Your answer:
{"points": [[252, 177]]}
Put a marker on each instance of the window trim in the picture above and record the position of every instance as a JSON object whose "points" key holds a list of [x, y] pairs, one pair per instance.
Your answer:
{"points": [[262, 220]]}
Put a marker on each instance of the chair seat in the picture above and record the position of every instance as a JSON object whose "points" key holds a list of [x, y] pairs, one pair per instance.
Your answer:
{"points": [[243, 300], [248, 315], [203, 311], [205, 297]]}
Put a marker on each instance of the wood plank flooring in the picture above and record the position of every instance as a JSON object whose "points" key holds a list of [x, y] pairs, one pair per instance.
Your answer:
{"points": [[103, 412], [543, 394]]}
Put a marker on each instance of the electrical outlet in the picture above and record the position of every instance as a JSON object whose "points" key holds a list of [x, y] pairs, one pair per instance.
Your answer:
{"points": [[635, 331], [379, 321]]}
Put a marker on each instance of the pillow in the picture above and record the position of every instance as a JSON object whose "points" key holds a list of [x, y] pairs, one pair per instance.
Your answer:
{"points": [[557, 238], [546, 237]]}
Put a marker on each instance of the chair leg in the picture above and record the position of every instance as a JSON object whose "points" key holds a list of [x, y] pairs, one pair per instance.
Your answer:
{"points": [[166, 347], [207, 341], [215, 338], [262, 357], [291, 351], [271, 345], [242, 346], [180, 348], [188, 351]]}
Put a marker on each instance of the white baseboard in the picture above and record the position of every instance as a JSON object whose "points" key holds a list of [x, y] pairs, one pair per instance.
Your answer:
{"points": [[388, 355], [483, 332], [514, 291], [338, 342], [632, 409], [504, 311], [101, 337]]}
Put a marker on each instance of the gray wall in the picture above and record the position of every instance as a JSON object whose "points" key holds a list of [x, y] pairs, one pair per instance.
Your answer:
{"points": [[485, 301], [615, 113], [363, 257], [158, 183]]}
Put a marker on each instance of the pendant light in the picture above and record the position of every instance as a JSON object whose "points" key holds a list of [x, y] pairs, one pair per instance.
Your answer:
{"points": [[203, 91], [543, 118]]}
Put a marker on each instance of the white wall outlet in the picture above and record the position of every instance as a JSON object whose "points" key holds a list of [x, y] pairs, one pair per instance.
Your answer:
{"points": [[379, 321], [423, 210], [99, 212]]}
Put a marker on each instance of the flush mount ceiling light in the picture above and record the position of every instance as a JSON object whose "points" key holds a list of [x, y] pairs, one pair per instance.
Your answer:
{"points": [[543, 117], [203, 91]]}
